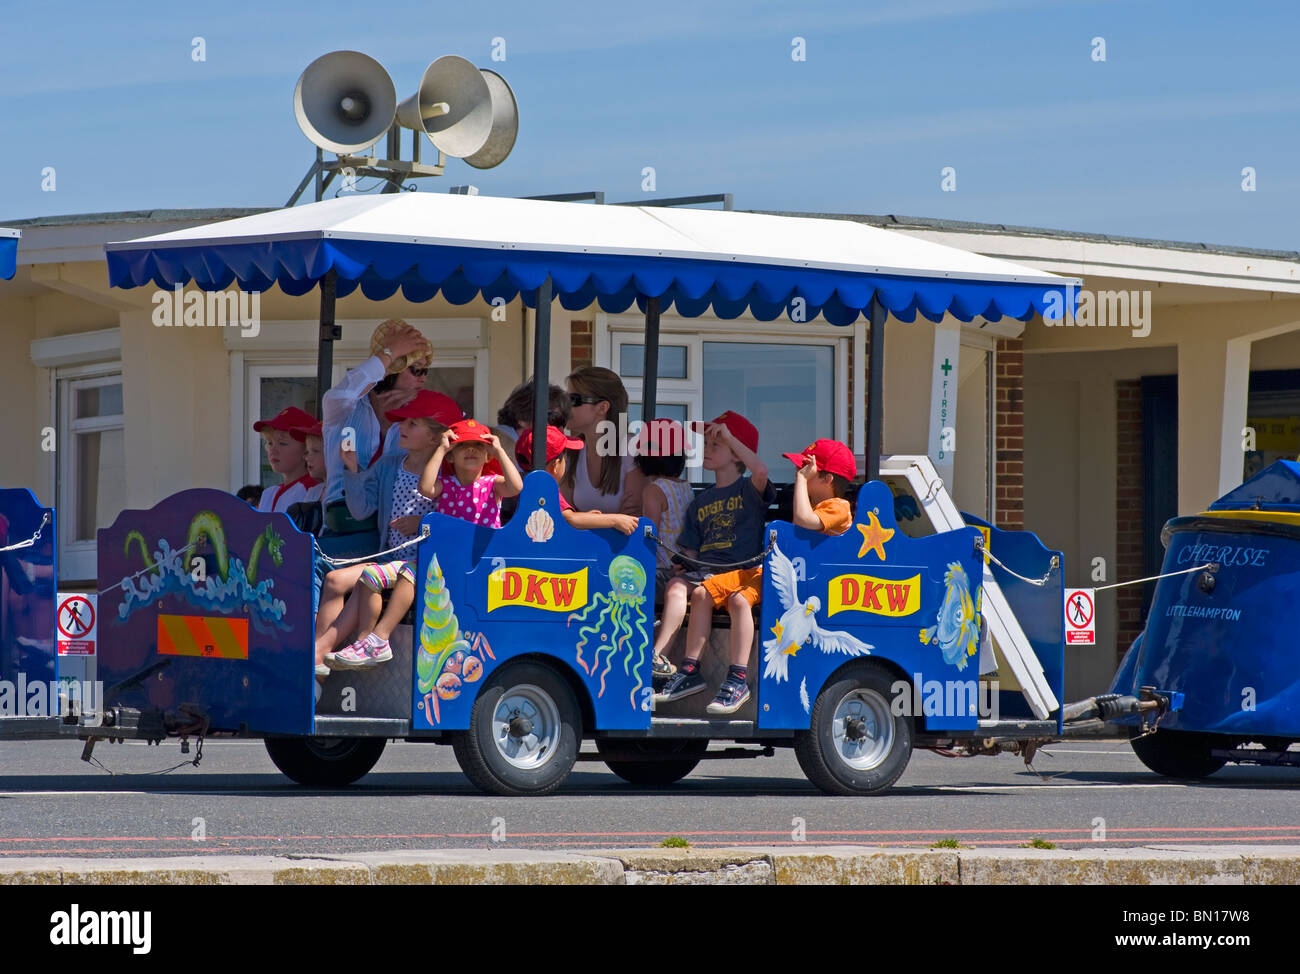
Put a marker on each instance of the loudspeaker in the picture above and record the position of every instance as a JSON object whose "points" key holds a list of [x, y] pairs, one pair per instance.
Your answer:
{"points": [[453, 107], [505, 123], [344, 101]]}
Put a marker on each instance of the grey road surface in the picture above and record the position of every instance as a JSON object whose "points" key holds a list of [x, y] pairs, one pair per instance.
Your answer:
{"points": [[1081, 794]]}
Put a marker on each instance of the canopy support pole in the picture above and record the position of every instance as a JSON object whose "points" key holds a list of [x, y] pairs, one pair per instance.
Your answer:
{"points": [[875, 386], [650, 362], [541, 372], [328, 335]]}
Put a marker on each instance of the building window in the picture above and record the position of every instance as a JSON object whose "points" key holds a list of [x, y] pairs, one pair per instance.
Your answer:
{"points": [[91, 470]]}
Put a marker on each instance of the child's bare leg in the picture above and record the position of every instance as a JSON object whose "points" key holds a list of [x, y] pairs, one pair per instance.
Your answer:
{"points": [[370, 603], [334, 589], [700, 623], [674, 611], [398, 603], [343, 625], [742, 629]]}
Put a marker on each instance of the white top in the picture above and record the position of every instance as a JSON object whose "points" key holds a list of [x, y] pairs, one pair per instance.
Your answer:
{"points": [[677, 497], [294, 493], [587, 497], [345, 405]]}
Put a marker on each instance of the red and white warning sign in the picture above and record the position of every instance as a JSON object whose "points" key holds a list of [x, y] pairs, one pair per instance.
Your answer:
{"points": [[76, 622], [1080, 618]]}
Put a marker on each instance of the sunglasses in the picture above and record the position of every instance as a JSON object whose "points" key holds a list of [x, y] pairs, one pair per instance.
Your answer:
{"points": [[577, 399], [418, 372]]}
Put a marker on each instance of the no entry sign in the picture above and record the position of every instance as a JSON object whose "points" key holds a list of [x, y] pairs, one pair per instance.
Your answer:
{"points": [[76, 623], [1080, 617]]}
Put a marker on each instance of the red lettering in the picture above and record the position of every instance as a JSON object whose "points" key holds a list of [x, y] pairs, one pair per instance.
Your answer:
{"points": [[511, 586], [848, 590], [869, 600], [897, 596], [534, 593], [562, 590]]}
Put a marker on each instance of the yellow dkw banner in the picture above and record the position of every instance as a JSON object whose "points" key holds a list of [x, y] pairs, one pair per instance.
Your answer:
{"points": [[537, 590], [879, 596]]}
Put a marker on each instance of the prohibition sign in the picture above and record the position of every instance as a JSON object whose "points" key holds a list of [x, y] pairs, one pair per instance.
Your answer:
{"points": [[76, 617], [1080, 610]]}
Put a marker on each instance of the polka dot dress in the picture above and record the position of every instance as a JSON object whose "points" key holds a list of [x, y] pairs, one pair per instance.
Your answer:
{"points": [[407, 499], [474, 503]]}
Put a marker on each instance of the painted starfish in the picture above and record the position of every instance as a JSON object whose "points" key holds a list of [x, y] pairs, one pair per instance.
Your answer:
{"points": [[874, 537]]}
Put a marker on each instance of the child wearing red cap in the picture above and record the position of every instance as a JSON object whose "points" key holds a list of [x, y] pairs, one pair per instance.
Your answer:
{"points": [[826, 468], [469, 491], [308, 514], [286, 457], [724, 526], [390, 486], [556, 445]]}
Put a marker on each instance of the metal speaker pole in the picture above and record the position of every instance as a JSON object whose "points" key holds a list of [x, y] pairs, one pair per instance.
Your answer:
{"points": [[505, 123], [344, 101], [453, 107]]}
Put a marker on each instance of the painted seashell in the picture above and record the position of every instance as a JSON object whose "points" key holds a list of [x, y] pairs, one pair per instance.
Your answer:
{"points": [[540, 526], [453, 662], [471, 669], [448, 686]]}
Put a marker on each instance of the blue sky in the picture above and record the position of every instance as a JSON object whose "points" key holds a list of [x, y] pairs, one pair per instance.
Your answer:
{"points": [[1149, 143]]}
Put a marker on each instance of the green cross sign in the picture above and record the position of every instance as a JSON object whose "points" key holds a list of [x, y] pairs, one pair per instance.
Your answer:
{"points": [[947, 367]]}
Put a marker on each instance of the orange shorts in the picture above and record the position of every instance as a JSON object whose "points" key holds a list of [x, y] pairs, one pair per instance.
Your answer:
{"points": [[747, 581]]}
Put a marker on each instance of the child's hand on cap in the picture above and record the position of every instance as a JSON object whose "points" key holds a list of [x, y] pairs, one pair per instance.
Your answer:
{"points": [[809, 469], [448, 440]]}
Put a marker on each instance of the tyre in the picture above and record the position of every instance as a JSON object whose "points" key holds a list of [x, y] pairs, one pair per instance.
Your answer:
{"points": [[1178, 754], [854, 744], [523, 732], [656, 770], [327, 761]]}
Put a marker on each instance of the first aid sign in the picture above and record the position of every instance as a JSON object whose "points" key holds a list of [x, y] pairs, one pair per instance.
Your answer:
{"points": [[76, 624], [1080, 617]]}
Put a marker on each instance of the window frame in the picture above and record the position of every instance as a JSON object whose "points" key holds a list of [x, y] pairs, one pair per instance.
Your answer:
{"points": [[77, 557]]}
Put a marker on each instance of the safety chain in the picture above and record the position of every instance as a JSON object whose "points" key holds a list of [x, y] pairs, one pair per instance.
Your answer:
{"points": [[45, 519], [748, 563], [344, 562]]}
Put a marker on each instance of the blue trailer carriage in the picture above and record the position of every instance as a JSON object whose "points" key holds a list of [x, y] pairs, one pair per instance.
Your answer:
{"points": [[527, 640], [1218, 639]]}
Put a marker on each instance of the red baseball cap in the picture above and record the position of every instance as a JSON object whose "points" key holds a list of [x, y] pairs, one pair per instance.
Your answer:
{"points": [[741, 428], [470, 431], [286, 420], [832, 456], [300, 433], [661, 438], [428, 404], [556, 443]]}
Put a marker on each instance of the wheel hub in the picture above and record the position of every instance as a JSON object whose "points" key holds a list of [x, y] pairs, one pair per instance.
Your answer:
{"points": [[855, 728], [520, 726]]}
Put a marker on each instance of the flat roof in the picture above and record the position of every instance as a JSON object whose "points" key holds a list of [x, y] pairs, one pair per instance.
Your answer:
{"points": [[887, 221]]}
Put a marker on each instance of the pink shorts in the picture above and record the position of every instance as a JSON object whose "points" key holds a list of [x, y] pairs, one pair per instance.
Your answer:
{"points": [[382, 576]]}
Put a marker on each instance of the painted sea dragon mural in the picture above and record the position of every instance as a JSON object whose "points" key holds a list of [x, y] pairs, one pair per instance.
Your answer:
{"points": [[233, 586]]}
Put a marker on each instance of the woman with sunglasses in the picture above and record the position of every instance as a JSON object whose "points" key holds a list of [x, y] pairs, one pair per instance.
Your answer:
{"points": [[602, 475], [356, 411]]}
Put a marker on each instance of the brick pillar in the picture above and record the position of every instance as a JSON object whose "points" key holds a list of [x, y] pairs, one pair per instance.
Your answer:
{"points": [[580, 351], [1128, 512], [1009, 433]]}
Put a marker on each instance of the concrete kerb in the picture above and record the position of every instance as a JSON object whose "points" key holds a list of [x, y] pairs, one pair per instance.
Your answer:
{"points": [[810, 865]]}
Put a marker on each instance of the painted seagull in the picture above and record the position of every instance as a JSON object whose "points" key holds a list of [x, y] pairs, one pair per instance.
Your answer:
{"points": [[798, 624]]}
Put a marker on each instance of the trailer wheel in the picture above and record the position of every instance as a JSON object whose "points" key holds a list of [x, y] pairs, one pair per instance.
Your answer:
{"points": [[523, 732], [1178, 754], [328, 761], [657, 770], [855, 745]]}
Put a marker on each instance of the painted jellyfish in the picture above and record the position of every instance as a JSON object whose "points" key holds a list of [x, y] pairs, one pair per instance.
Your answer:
{"points": [[620, 619]]}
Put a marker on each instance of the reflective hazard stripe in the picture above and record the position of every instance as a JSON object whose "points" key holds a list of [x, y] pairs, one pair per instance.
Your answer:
{"points": [[214, 636]]}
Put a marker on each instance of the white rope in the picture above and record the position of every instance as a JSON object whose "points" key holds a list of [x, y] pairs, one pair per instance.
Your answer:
{"points": [[344, 562], [1040, 582], [45, 519], [1151, 578], [148, 568]]}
